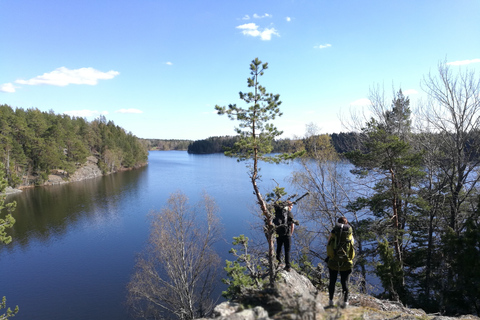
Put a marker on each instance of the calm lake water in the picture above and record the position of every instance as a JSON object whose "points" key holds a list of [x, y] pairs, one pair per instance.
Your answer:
{"points": [[74, 245]]}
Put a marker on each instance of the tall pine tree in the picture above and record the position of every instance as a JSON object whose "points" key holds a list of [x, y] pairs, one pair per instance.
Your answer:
{"points": [[256, 134]]}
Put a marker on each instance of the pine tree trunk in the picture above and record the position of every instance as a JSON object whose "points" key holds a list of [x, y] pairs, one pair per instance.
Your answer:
{"points": [[268, 221]]}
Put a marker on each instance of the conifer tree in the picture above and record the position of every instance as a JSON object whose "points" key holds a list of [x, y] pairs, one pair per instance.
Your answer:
{"points": [[256, 134], [396, 168], [450, 136], [5, 223]]}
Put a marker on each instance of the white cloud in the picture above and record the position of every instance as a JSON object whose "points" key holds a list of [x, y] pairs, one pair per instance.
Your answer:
{"points": [[131, 110], [361, 102], [85, 113], [251, 29], [63, 77], [463, 62], [169, 63], [410, 91], [323, 46], [246, 17], [266, 15], [288, 19], [7, 87], [267, 33], [248, 26]]}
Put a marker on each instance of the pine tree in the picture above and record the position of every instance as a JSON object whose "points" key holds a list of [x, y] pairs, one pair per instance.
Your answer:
{"points": [[5, 223], [256, 134], [396, 167]]}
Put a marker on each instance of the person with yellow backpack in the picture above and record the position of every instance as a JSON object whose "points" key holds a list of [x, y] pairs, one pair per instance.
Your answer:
{"points": [[340, 254]]}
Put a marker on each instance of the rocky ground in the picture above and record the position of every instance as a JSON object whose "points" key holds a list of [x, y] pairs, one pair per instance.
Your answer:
{"points": [[88, 171], [294, 297]]}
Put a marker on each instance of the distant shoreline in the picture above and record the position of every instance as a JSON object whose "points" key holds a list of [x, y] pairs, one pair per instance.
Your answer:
{"points": [[89, 170]]}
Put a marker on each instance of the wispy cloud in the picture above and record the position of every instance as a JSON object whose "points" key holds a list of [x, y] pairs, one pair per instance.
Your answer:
{"points": [[251, 29], [288, 19], [168, 63], [85, 113], [266, 15], [323, 46], [64, 76], [463, 62], [361, 102], [410, 92], [256, 16], [8, 87], [131, 110]]}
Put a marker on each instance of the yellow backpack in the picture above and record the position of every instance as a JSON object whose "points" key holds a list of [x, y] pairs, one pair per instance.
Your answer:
{"points": [[340, 249]]}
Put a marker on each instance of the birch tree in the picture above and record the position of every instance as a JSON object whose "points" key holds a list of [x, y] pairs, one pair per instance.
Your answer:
{"points": [[177, 272], [450, 131]]}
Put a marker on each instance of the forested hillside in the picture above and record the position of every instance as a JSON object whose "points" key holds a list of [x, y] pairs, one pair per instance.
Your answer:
{"points": [[212, 145], [33, 143], [218, 144], [166, 144]]}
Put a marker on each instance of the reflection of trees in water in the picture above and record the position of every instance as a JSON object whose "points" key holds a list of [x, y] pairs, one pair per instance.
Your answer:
{"points": [[46, 212]]}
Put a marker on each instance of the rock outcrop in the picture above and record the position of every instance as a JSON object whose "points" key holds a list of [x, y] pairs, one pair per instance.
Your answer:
{"points": [[88, 171], [294, 297], [10, 190]]}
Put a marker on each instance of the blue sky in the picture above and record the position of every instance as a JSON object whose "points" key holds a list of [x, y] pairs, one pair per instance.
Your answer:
{"points": [[157, 68]]}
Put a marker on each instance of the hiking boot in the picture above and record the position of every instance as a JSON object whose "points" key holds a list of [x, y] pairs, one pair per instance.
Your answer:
{"points": [[330, 303], [287, 269], [345, 305]]}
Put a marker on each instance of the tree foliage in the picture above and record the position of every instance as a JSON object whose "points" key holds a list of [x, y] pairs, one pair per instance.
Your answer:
{"points": [[166, 144], [8, 221], [9, 313], [256, 133], [33, 143], [5, 223], [396, 171], [220, 144], [420, 192], [449, 134], [414, 200], [177, 272], [212, 145], [246, 272]]}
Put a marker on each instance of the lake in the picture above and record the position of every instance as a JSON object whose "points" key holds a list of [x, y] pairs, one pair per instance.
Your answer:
{"points": [[74, 245]]}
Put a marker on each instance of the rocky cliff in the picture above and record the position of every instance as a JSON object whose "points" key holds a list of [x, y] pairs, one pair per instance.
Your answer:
{"points": [[294, 297], [88, 170]]}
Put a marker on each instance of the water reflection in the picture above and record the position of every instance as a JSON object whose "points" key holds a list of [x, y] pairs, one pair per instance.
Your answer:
{"points": [[46, 212], [74, 245]]}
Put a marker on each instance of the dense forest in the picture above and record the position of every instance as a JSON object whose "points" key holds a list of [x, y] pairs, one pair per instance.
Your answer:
{"points": [[212, 145], [33, 143], [220, 144], [166, 144]]}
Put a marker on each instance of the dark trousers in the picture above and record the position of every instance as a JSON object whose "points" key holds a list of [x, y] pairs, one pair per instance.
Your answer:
{"points": [[344, 275], [284, 241]]}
